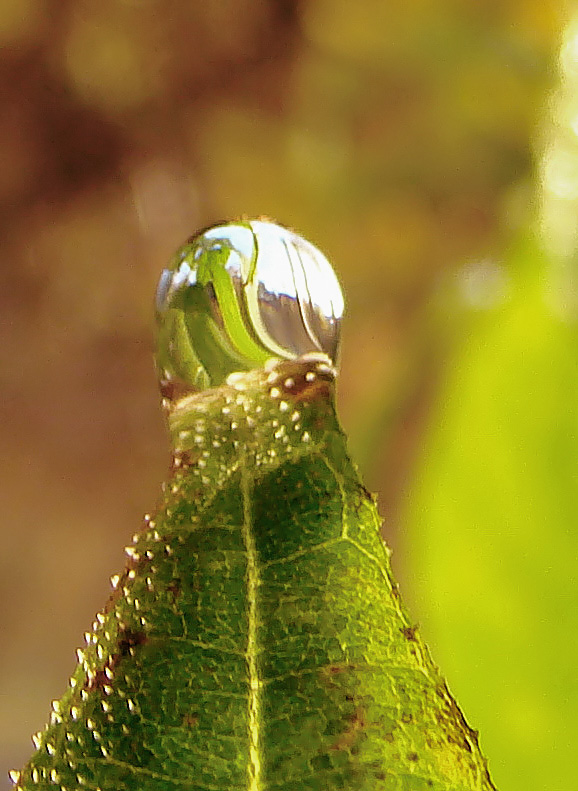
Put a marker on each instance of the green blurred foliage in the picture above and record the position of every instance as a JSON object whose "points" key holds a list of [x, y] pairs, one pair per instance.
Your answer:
{"points": [[491, 512], [401, 138], [491, 520]]}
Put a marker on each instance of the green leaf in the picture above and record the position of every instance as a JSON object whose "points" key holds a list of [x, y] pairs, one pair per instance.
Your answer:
{"points": [[256, 639], [492, 518]]}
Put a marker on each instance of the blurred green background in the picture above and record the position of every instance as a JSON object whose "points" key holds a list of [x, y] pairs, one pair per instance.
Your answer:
{"points": [[430, 149]]}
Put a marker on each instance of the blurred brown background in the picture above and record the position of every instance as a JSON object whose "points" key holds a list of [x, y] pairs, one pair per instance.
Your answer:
{"points": [[397, 136]]}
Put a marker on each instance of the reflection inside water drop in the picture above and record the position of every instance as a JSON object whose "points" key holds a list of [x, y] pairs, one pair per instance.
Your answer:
{"points": [[237, 295]]}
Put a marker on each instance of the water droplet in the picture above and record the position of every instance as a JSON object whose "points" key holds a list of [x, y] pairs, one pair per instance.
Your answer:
{"points": [[237, 295]]}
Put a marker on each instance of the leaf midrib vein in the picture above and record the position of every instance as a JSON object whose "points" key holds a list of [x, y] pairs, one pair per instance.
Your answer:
{"points": [[252, 649]]}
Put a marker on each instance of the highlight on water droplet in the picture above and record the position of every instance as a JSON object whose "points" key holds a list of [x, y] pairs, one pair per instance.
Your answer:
{"points": [[237, 295]]}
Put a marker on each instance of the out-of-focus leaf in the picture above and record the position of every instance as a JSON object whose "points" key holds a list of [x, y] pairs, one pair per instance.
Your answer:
{"points": [[492, 522]]}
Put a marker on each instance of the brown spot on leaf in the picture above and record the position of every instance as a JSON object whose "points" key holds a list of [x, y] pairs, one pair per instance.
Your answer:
{"points": [[367, 494], [336, 670], [311, 391], [98, 680], [348, 738], [304, 380], [183, 459], [130, 639], [409, 632], [172, 390], [174, 587]]}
